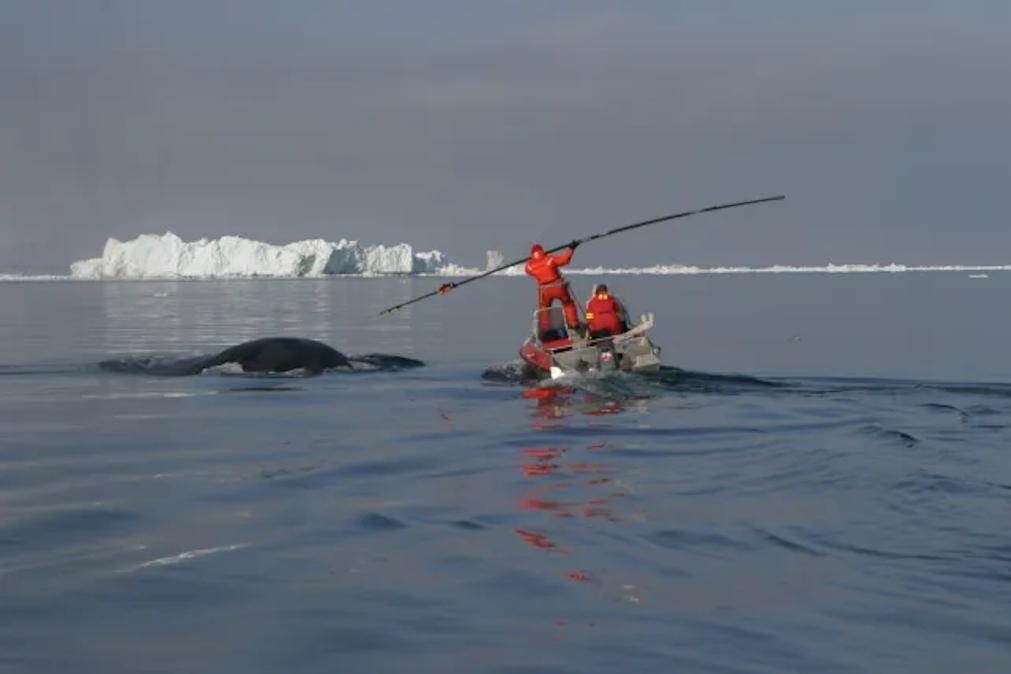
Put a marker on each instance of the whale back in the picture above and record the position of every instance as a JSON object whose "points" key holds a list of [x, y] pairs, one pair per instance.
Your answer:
{"points": [[281, 354]]}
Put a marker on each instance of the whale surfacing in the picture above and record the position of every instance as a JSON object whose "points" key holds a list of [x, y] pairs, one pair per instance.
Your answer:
{"points": [[268, 355], [280, 354]]}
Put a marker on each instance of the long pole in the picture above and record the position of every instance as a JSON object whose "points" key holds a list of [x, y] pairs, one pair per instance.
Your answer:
{"points": [[446, 287]]}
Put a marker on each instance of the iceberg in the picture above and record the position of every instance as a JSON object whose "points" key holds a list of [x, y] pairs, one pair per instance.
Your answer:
{"points": [[166, 256]]}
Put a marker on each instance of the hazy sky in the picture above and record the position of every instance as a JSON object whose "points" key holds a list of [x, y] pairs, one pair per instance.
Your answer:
{"points": [[472, 125]]}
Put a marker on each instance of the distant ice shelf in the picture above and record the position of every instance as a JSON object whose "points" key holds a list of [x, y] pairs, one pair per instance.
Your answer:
{"points": [[890, 268], [166, 256], [34, 277]]}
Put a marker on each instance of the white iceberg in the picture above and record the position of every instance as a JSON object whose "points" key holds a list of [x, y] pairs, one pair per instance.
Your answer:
{"points": [[151, 256]]}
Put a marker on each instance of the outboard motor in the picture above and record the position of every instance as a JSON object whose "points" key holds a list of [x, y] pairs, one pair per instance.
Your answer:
{"points": [[607, 359]]}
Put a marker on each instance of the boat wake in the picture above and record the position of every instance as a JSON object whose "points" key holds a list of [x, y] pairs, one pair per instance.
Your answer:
{"points": [[626, 385], [514, 372]]}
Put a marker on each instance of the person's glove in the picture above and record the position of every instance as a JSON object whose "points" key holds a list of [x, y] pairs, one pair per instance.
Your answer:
{"points": [[575, 244], [445, 288]]}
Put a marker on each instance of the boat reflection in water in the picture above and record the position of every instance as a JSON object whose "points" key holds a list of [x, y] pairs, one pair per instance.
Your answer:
{"points": [[553, 404], [570, 484]]}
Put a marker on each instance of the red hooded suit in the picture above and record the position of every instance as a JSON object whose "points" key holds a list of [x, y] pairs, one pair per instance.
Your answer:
{"points": [[550, 284], [604, 314]]}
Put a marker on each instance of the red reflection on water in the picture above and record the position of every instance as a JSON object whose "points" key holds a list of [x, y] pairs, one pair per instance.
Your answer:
{"points": [[540, 504], [544, 453], [539, 541], [565, 488], [543, 458], [540, 497], [552, 404], [557, 403], [545, 393]]}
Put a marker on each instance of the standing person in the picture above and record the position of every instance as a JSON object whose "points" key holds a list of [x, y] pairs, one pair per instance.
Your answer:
{"points": [[551, 285], [605, 315]]}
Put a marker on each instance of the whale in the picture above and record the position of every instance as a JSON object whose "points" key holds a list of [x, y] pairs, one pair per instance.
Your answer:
{"points": [[280, 354], [266, 355]]}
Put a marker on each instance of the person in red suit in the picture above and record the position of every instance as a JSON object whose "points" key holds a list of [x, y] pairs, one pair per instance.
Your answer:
{"points": [[605, 317], [551, 285]]}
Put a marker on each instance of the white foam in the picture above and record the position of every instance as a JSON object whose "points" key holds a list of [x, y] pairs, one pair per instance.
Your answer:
{"points": [[160, 395], [166, 256], [225, 368], [186, 556]]}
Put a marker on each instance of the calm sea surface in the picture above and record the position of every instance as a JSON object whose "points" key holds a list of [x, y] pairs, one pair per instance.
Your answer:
{"points": [[843, 506]]}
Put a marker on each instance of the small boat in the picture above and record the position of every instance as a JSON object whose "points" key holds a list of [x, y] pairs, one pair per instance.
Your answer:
{"points": [[559, 351]]}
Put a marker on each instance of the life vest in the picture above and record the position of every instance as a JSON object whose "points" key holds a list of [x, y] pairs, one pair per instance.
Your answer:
{"points": [[603, 315], [544, 267]]}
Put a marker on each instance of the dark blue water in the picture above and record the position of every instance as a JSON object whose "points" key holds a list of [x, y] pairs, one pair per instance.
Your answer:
{"points": [[840, 507]]}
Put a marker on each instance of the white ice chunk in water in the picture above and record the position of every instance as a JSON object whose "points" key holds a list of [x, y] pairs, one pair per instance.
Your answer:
{"points": [[495, 259]]}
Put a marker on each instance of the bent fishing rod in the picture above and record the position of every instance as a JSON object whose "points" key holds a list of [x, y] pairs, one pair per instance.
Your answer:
{"points": [[446, 287]]}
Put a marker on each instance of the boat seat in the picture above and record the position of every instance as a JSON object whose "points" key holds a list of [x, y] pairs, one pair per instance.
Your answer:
{"points": [[558, 344], [551, 335]]}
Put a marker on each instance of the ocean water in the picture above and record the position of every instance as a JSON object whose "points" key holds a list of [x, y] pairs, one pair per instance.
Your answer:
{"points": [[824, 487]]}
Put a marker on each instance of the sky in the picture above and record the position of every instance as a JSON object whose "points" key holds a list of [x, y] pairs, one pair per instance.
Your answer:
{"points": [[466, 126]]}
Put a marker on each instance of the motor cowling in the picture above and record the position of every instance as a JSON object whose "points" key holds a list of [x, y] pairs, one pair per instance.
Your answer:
{"points": [[607, 359]]}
